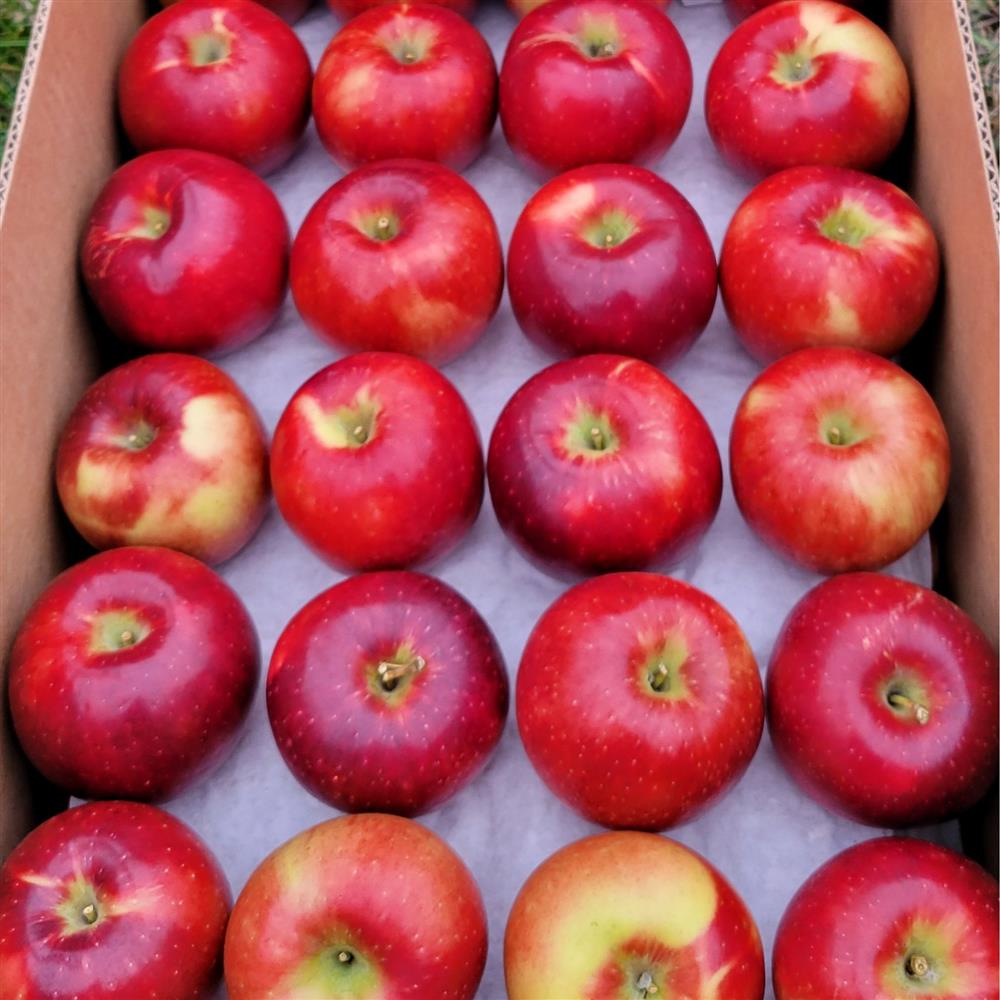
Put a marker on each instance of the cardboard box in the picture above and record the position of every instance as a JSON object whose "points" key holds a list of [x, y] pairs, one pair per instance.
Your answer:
{"points": [[64, 145]]}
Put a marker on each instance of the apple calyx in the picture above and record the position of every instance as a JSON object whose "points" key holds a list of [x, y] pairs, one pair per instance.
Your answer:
{"points": [[838, 430], [917, 966], [352, 426], [793, 68], [345, 957], [139, 436], [610, 229], [114, 631], [155, 223], [848, 224]]}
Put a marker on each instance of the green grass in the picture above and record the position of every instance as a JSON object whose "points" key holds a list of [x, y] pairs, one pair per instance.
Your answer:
{"points": [[985, 24], [15, 28]]}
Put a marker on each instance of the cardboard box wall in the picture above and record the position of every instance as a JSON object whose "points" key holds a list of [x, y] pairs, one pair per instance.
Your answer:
{"points": [[64, 144]]}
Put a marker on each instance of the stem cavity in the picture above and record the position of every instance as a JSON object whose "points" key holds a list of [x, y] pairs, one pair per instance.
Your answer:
{"points": [[390, 673]]}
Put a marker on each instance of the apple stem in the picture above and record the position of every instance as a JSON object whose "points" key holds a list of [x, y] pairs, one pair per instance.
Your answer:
{"points": [[645, 985], [390, 674], [917, 966], [360, 435], [920, 712], [345, 957], [659, 678], [127, 638], [834, 435], [89, 913], [597, 438], [382, 224]]}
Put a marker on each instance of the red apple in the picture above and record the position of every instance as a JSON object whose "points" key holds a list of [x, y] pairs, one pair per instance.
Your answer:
{"points": [[839, 459], [387, 693], [111, 900], [377, 463], [223, 76], [883, 701], [365, 906], [630, 915], [406, 81], [186, 251], [677, 674], [351, 8], [523, 7], [132, 674], [594, 81], [893, 917], [288, 10], [806, 82], [399, 256], [740, 9], [165, 450], [610, 258], [601, 463], [824, 256]]}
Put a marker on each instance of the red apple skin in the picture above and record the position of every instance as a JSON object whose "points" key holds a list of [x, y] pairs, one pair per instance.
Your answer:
{"points": [[839, 459], [408, 492], [143, 718], [401, 745], [352, 8], [808, 82], [562, 107], [383, 890], [674, 749], [165, 450], [224, 242], [406, 82], [521, 8], [646, 496], [288, 10], [161, 905], [601, 914], [826, 256], [858, 920], [429, 289], [848, 647], [611, 259], [739, 10], [245, 97]]}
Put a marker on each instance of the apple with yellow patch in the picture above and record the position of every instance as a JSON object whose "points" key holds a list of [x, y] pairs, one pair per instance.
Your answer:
{"points": [[807, 82], [892, 917], [369, 906], [827, 256], [401, 255], [635, 916], [165, 450], [839, 459]]}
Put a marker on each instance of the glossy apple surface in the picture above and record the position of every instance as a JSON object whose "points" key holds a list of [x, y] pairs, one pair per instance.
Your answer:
{"points": [[165, 450], [411, 82], [399, 256], [366, 906], [804, 83], [825, 256], [222, 76], [404, 687], [611, 259], [111, 900], [601, 463], [288, 10], [352, 8], [523, 7], [630, 915], [377, 464], [676, 672], [892, 917], [131, 674], [594, 81], [740, 9], [882, 701], [839, 459], [186, 251]]}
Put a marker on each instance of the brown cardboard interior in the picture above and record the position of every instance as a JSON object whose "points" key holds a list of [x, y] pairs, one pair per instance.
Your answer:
{"points": [[68, 147]]}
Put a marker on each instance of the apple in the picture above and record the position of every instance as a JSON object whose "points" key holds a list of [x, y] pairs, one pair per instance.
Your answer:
{"points": [[806, 82], [377, 464], [165, 450], [630, 915], [363, 906], [111, 900], [404, 81], [523, 7], [672, 667], [401, 255], [839, 459], [740, 9], [222, 76], [186, 251], [387, 693], [826, 256], [594, 81], [601, 463], [132, 674], [610, 258], [352, 8], [288, 10], [883, 701], [891, 917]]}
